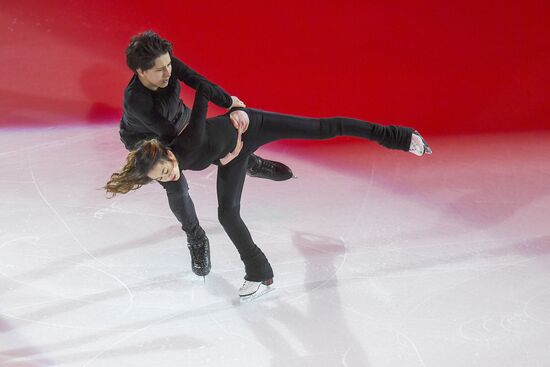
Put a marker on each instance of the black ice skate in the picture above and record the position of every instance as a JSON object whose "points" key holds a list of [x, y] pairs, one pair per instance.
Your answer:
{"points": [[200, 256], [251, 290], [271, 170]]}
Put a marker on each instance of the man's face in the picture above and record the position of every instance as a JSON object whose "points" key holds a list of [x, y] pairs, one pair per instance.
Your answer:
{"points": [[158, 76]]}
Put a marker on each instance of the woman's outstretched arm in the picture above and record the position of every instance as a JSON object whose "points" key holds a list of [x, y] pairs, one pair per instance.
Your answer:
{"points": [[195, 80], [194, 135]]}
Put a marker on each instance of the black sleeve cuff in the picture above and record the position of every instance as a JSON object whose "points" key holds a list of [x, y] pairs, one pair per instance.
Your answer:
{"points": [[237, 109]]}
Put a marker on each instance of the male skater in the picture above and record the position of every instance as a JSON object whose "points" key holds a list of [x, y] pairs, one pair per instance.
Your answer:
{"points": [[153, 108]]}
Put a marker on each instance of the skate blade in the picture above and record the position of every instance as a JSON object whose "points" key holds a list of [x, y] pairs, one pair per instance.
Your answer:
{"points": [[263, 290], [427, 149]]}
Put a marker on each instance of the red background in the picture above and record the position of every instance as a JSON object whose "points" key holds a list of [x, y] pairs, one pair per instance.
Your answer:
{"points": [[442, 67]]}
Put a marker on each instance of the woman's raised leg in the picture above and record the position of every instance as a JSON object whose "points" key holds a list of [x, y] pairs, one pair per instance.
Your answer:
{"points": [[266, 127]]}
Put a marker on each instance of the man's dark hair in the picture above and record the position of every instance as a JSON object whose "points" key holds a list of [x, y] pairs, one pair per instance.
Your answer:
{"points": [[144, 48]]}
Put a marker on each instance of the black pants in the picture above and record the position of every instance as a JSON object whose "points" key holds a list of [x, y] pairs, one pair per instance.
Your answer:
{"points": [[183, 208], [267, 127], [179, 201]]}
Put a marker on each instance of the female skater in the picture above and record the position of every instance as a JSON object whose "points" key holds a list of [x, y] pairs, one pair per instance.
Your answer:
{"points": [[228, 141]]}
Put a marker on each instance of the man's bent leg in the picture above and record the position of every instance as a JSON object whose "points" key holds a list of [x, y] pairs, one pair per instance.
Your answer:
{"points": [[260, 167], [183, 208]]}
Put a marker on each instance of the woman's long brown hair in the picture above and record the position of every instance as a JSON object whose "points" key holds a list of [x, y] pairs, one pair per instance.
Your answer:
{"points": [[139, 162]]}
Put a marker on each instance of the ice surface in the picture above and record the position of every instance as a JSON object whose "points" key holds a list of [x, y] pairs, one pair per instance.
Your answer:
{"points": [[381, 258]]}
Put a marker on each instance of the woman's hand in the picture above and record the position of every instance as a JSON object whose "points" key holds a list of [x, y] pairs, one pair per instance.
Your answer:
{"points": [[232, 155], [240, 120], [236, 102]]}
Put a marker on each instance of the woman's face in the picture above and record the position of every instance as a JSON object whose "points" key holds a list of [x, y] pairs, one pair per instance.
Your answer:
{"points": [[166, 170]]}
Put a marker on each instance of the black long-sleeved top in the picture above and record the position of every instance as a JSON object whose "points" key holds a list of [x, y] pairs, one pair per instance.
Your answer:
{"points": [[204, 142], [161, 113]]}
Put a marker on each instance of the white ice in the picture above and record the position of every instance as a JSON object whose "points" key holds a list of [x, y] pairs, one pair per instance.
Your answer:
{"points": [[381, 258]]}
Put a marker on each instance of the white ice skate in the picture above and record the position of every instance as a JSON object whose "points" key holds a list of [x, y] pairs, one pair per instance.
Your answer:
{"points": [[418, 145], [252, 290]]}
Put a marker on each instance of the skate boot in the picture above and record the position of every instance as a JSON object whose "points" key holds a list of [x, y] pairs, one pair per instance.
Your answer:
{"points": [[251, 290], [200, 256], [419, 146], [264, 168]]}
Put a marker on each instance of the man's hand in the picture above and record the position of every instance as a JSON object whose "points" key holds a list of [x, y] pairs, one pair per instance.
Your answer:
{"points": [[232, 155], [240, 120], [236, 102]]}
